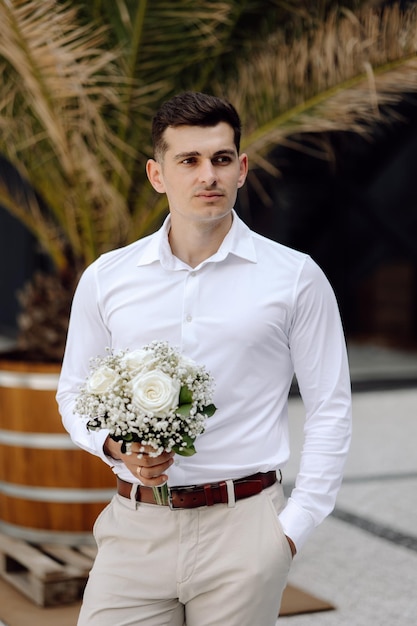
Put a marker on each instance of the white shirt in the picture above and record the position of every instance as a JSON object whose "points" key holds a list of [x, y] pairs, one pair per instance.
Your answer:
{"points": [[253, 314]]}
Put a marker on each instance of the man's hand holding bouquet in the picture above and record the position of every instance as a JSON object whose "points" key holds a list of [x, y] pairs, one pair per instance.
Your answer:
{"points": [[155, 399]]}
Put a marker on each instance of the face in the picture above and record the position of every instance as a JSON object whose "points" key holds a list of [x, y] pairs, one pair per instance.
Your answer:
{"points": [[200, 173]]}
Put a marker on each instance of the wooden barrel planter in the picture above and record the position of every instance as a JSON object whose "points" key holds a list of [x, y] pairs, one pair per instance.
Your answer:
{"points": [[50, 490]]}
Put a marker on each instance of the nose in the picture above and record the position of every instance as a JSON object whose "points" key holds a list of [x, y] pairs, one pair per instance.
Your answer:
{"points": [[207, 173]]}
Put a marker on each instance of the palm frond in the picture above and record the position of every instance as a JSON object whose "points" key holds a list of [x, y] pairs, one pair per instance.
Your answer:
{"points": [[81, 81], [75, 112], [20, 200], [344, 76], [61, 87]]}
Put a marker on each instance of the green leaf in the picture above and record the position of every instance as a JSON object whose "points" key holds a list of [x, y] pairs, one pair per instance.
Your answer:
{"points": [[185, 451], [184, 409], [187, 448], [209, 410], [186, 397]]}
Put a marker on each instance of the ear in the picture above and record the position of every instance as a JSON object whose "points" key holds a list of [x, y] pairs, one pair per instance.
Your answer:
{"points": [[243, 159], [154, 172]]}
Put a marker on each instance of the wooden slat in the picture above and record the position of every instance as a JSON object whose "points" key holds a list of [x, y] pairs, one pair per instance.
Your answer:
{"points": [[49, 575], [89, 551], [42, 566], [69, 556]]}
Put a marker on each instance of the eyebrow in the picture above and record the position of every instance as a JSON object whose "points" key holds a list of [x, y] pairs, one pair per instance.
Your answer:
{"points": [[194, 153]]}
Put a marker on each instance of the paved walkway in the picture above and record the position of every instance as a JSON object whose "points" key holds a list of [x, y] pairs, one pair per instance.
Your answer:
{"points": [[363, 558], [376, 367]]}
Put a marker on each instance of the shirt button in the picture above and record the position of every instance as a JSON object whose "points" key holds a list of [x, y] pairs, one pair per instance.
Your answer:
{"points": [[188, 318]]}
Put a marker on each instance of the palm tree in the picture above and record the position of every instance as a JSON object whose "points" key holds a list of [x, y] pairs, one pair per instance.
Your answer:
{"points": [[81, 82]]}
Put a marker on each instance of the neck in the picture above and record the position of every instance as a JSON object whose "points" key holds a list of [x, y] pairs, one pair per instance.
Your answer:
{"points": [[197, 242]]}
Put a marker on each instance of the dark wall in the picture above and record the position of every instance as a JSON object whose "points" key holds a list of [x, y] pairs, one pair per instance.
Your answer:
{"points": [[356, 214], [17, 260]]}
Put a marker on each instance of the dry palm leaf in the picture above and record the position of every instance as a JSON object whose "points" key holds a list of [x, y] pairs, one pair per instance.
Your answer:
{"points": [[343, 76], [60, 83]]}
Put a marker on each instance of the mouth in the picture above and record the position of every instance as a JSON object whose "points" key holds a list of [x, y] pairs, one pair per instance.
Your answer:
{"points": [[209, 195]]}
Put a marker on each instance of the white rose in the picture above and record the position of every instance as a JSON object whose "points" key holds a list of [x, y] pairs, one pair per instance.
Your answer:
{"points": [[102, 380], [155, 392], [136, 360]]}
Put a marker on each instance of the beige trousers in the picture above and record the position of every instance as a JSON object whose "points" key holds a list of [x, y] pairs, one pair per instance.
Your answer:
{"points": [[212, 566]]}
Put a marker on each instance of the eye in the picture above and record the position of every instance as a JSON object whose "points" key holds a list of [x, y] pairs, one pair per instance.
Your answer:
{"points": [[188, 161], [222, 159]]}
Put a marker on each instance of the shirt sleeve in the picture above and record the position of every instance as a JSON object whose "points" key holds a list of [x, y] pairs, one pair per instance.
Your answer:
{"points": [[87, 338], [318, 352]]}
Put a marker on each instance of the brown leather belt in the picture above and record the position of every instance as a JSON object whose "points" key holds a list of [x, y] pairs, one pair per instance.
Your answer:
{"points": [[202, 495]]}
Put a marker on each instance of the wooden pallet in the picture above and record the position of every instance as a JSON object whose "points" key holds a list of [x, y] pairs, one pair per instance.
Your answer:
{"points": [[48, 574]]}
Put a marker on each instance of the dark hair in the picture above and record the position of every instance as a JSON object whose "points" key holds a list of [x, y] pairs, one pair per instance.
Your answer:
{"points": [[193, 109]]}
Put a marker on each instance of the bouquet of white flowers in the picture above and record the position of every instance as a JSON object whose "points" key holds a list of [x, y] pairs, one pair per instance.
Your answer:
{"points": [[155, 396]]}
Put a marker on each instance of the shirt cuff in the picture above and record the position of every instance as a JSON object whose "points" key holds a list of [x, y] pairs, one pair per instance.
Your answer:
{"points": [[100, 437], [92, 441], [296, 523]]}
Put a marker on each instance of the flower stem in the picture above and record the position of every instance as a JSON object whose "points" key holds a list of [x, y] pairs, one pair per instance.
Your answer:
{"points": [[161, 494]]}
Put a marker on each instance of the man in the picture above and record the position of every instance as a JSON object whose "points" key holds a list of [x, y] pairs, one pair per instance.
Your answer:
{"points": [[252, 312]]}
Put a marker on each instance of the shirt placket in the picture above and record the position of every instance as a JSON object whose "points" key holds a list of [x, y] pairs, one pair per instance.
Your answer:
{"points": [[189, 313]]}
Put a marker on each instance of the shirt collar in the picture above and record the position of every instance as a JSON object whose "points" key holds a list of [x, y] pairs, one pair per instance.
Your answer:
{"points": [[237, 242]]}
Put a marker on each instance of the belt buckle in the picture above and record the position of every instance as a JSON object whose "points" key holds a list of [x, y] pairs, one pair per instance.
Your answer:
{"points": [[171, 504]]}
